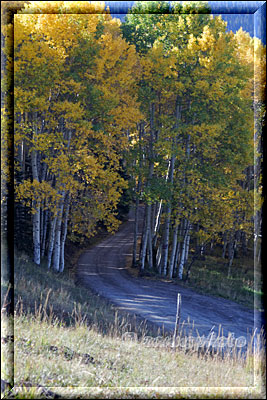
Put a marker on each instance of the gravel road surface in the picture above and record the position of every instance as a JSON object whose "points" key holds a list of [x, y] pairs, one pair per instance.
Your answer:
{"points": [[102, 269]]}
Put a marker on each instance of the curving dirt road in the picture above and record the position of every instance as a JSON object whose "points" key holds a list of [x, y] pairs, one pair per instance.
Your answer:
{"points": [[102, 268]]}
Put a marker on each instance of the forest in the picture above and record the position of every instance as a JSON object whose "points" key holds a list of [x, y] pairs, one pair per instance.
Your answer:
{"points": [[163, 111]]}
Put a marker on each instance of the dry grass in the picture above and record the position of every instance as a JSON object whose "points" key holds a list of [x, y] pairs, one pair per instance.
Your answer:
{"points": [[83, 349], [66, 359], [244, 285]]}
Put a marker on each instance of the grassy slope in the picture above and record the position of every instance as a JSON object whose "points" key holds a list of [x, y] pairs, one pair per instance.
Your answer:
{"points": [[72, 341]]}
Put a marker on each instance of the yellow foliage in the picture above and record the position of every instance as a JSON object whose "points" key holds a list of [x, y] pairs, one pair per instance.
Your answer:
{"points": [[53, 107], [64, 7]]}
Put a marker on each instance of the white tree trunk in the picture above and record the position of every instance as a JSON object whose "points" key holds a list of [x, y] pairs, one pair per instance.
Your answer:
{"points": [[159, 211], [145, 239], [157, 223], [150, 247], [36, 235], [136, 220], [178, 248], [149, 206], [187, 243], [174, 245], [177, 258], [41, 224], [183, 253], [60, 237], [165, 246], [143, 235], [64, 235], [57, 245], [51, 241], [43, 243], [137, 201], [36, 216], [158, 258]]}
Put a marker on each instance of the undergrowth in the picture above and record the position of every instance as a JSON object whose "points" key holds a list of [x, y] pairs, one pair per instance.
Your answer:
{"points": [[209, 275]]}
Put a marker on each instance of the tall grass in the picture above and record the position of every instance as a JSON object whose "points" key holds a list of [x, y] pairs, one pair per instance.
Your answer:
{"points": [[209, 276], [72, 343]]}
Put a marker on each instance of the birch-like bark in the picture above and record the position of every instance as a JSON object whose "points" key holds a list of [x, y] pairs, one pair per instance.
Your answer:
{"points": [[145, 239], [159, 212], [153, 216], [58, 251], [36, 205], [150, 247], [57, 245], [22, 160], [186, 224], [44, 172], [157, 223], [177, 258], [158, 258], [165, 246], [21, 150], [136, 216], [136, 220], [174, 244], [43, 243], [148, 235], [183, 253], [187, 243], [43, 212], [38, 217], [178, 248], [153, 223], [259, 255], [64, 234], [143, 234], [51, 241], [41, 224], [36, 234]]}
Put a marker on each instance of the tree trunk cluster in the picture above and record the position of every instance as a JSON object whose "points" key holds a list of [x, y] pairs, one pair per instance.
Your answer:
{"points": [[170, 239]]}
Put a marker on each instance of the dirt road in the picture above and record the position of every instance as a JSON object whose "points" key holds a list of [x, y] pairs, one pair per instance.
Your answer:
{"points": [[102, 268]]}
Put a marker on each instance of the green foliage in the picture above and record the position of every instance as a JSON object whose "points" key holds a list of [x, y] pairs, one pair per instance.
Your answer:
{"points": [[198, 80]]}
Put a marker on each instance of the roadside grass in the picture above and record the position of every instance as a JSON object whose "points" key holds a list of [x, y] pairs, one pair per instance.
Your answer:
{"points": [[60, 357], [243, 286], [209, 276], [72, 343], [64, 299]]}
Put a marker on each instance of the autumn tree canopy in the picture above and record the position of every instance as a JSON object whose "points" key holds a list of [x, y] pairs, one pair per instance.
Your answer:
{"points": [[194, 150], [75, 80], [168, 95]]}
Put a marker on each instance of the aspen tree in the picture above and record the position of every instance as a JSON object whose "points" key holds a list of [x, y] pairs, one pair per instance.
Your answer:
{"points": [[191, 60], [74, 84]]}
